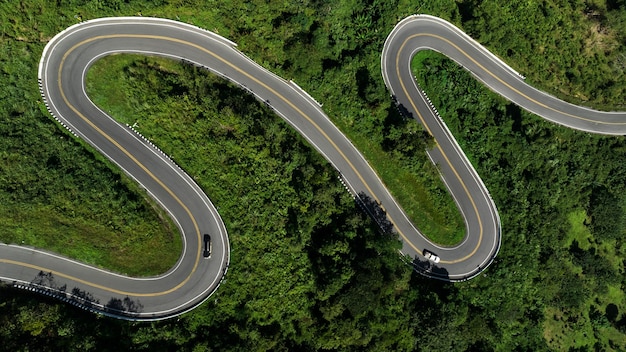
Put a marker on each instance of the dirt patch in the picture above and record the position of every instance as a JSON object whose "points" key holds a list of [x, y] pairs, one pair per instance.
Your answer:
{"points": [[599, 38]]}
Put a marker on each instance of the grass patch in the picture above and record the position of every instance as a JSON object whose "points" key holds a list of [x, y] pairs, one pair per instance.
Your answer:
{"points": [[566, 331], [583, 326], [586, 326], [137, 250], [578, 231], [421, 194]]}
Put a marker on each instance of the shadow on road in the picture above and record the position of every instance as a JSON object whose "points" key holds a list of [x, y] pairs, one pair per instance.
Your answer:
{"points": [[375, 211], [84, 298], [403, 110], [122, 306], [45, 283], [429, 269], [48, 280]]}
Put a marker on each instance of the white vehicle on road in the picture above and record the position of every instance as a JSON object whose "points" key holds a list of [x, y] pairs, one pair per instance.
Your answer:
{"points": [[431, 256]]}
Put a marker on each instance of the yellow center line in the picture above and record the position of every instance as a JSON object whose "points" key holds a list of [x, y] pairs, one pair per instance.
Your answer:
{"points": [[73, 278], [439, 147], [511, 87], [480, 224], [146, 170], [281, 97], [169, 191], [309, 119], [129, 155]]}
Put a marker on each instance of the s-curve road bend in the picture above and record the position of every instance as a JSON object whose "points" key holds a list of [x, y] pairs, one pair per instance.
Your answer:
{"points": [[62, 71], [424, 32]]}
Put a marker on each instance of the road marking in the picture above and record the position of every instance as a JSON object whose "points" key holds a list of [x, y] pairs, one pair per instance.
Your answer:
{"points": [[270, 89], [171, 193], [290, 104], [70, 277], [508, 85], [480, 223]]}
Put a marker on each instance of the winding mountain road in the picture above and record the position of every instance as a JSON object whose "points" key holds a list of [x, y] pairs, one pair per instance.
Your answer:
{"points": [[62, 70]]}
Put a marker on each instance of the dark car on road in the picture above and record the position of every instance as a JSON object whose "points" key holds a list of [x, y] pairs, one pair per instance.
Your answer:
{"points": [[207, 245]]}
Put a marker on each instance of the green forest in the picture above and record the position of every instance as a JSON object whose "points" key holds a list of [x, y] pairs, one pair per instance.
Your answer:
{"points": [[309, 270]]}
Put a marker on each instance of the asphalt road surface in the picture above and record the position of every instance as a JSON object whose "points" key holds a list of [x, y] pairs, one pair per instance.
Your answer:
{"points": [[62, 71]]}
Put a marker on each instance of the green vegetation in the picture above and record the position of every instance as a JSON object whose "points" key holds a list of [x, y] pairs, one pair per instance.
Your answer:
{"points": [[571, 49], [309, 270], [55, 192], [294, 228], [540, 175]]}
